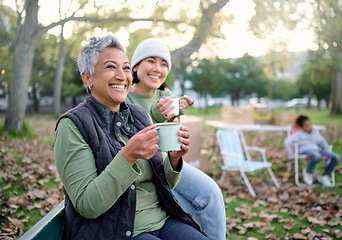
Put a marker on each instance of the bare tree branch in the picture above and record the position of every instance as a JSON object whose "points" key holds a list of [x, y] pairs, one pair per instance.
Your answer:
{"points": [[202, 30], [106, 20]]}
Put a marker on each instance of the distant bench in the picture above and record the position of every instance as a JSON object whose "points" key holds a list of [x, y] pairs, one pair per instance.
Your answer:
{"points": [[49, 227]]}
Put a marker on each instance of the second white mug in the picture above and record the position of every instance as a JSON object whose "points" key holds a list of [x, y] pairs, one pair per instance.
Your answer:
{"points": [[175, 103]]}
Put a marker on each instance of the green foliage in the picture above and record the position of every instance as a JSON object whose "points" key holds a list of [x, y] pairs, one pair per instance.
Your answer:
{"points": [[205, 79], [239, 78], [6, 63], [44, 64], [7, 26], [248, 77], [317, 75], [284, 89], [72, 81]]}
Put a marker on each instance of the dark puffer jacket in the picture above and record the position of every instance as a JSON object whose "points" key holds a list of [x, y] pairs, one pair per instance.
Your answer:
{"points": [[118, 222]]}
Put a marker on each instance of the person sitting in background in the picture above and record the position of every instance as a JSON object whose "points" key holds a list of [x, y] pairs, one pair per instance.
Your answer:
{"points": [[116, 184], [313, 144], [197, 193]]}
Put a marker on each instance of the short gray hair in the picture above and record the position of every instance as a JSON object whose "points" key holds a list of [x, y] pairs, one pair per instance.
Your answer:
{"points": [[89, 54]]}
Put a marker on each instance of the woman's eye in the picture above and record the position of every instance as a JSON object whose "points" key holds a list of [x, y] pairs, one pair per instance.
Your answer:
{"points": [[127, 68], [111, 66], [150, 61]]}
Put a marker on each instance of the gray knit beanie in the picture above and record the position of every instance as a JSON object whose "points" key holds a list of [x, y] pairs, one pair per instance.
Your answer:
{"points": [[151, 48]]}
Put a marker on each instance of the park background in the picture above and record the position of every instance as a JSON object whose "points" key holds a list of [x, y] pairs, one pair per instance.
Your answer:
{"points": [[225, 53]]}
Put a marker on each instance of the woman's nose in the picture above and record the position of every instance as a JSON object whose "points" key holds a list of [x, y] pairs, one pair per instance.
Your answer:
{"points": [[157, 67], [120, 74]]}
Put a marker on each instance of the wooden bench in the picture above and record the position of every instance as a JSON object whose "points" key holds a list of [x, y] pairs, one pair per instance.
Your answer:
{"points": [[49, 227]]}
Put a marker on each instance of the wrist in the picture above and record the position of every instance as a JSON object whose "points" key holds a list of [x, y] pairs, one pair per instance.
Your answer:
{"points": [[175, 162], [128, 157]]}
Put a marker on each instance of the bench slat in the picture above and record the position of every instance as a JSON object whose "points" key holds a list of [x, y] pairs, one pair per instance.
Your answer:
{"points": [[49, 227]]}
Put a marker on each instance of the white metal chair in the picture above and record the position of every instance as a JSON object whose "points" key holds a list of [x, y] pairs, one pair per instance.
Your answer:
{"points": [[297, 156], [236, 157]]}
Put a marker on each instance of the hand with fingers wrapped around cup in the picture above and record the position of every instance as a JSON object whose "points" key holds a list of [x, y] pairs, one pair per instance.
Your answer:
{"points": [[169, 137], [185, 102], [184, 139], [143, 145], [174, 138], [170, 106]]}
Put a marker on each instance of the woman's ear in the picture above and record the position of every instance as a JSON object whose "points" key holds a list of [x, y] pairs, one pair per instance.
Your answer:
{"points": [[87, 80]]}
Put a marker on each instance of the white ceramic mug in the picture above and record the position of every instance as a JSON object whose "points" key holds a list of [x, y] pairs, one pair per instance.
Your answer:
{"points": [[175, 103], [168, 136]]}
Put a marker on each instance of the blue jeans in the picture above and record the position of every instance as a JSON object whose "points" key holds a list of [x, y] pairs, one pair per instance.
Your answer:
{"points": [[173, 229], [199, 195], [315, 157]]}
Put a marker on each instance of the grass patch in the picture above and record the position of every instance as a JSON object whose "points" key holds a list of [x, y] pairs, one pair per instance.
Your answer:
{"points": [[51, 184], [26, 132], [209, 114], [249, 219], [317, 116], [35, 216]]}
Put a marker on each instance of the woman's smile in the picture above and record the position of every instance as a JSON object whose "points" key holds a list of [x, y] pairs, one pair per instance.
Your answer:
{"points": [[120, 87]]}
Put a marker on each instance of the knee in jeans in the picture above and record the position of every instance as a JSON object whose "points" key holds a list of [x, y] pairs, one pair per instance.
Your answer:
{"points": [[201, 202], [316, 157], [336, 158]]}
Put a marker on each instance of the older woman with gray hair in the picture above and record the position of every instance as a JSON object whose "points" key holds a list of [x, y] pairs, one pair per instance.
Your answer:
{"points": [[116, 184]]}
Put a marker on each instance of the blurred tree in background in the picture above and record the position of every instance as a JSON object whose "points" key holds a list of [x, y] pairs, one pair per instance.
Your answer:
{"points": [[105, 16], [317, 76], [325, 17], [239, 78]]}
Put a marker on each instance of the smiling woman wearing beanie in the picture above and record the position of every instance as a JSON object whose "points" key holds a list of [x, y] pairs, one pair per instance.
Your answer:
{"points": [[197, 193]]}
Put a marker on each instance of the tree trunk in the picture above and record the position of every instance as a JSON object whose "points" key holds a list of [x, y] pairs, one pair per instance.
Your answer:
{"points": [[57, 91], [206, 102], [309, 98], [336, 107], [319, 102], [232, 99], [327, 101], [35, 98], [25, 45]]}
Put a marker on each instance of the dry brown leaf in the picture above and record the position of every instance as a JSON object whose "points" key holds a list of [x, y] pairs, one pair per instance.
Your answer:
{"points": [[298, 236], [312, 235], [266, 228], [270, 236], [37, 194], [16, 222], [242, 230], [317, 221], [290, 225], [306, 230], [337, 233]]}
